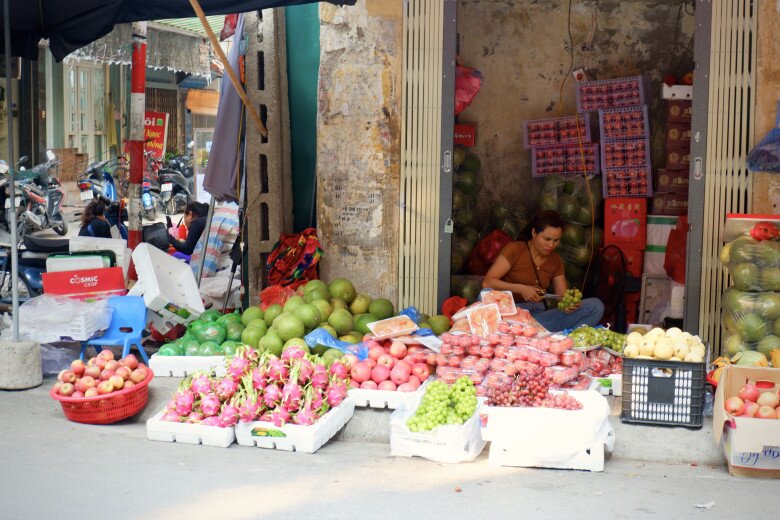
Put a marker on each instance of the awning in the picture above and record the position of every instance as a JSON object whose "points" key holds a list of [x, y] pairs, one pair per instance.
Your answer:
{"points": [[203, 102]]}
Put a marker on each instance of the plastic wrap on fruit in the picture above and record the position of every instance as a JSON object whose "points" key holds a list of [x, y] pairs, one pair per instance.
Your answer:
{"points": [[753, 264], [751, 321], [461, 326], [504, 300], [484, 320], [391, 327]]}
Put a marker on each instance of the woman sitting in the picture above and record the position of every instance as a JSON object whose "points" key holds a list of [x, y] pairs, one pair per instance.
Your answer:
{"points": [[195, 216], [529, 268], [94, 222]]}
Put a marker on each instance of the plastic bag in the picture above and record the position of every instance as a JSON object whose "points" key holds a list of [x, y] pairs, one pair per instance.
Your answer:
{"points": [[467, 84], [412, 313], [486, 252], [278, 294], [324, 338], [55, 358], [754, 265], [452, 305], [751, 321], [765, 156], [73, 319], [294, 258], [676, 247]]}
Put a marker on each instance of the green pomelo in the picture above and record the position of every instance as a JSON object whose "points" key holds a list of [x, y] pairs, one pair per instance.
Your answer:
{"points": [[568, 207], [314, 285], [319, 293], [324, 307], [252, 336], [741, 251], [424, 325], [283, 315], [360, 304], [548, 202], [319, 349], [271, 313], [768, 305], [272, 343], [746, 277], [734, 344], [293, 303], [330, 330], [777, 328], [252, 313], [233, 330], [751, 327], [439, 324], [212, 332], [573, 234], [290, 327], [331, 356], [458, 199], [465, 180], [341, 321], [258, 324], [168, 350], [229, 348], [470, 234], [769, 278], [210, 315], [738, 302], [343, 289], [351, 339], [458, 156], [725, 254], [768, 344], [362, 321], [231, 316], [297, 342], [338, 303], [208, 348], [309, 315], [471, 162]]}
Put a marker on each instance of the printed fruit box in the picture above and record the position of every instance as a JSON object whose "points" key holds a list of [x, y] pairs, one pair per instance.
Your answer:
{"points": [[294, 437], [188, 433]]}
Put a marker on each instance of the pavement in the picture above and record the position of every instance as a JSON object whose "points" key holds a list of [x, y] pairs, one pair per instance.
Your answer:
{"points": [[50, 466]]}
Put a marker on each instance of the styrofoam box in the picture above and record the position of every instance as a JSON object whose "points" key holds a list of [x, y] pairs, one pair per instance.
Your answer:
{"points": [[390, 399], [118, 246], [294, 437], [676, 91], [504, 453], [159, 430], [182, 366], [167, 284]]}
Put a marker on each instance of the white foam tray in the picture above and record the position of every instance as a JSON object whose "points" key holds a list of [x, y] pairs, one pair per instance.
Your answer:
{"points": [[294, 437], [617, 385], [159, 430], [182, 366], [390, 399]]}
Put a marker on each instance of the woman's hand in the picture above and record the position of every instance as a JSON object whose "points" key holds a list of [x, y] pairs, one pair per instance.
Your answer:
{"points": [[530, 293]]}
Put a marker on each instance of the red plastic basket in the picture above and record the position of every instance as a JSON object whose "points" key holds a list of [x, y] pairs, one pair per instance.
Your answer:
{"points": [[106, 409]]}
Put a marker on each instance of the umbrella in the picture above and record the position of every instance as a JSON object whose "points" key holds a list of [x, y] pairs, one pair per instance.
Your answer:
{"points": [[69, 25]]}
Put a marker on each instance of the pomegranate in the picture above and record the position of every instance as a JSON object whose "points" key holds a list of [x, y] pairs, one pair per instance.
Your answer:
{"points": [[397, 349], [112, 364], [380, 373], [104, 387], [78, 367], [124, 372], [764, 412], [106, 355], [749, 392], [770, 399], [750, 409], [67, 376], [138, 375], [116, 381], [131, 361], [734, 405], [92, 371], [91, 392], [67, 389], [105, 374], [386, 360], [375, 352]]}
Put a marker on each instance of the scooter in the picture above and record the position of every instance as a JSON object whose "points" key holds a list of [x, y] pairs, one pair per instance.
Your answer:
{"points": [[31, 266], [99, 180], [177, 183]]}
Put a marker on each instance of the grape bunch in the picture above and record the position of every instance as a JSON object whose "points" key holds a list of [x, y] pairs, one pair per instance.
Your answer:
{"points": [[444, 404], [563, 402], [571, 298], [589, 336], [527, 388]]}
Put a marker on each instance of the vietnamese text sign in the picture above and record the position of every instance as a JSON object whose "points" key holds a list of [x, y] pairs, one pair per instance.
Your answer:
{"points": [[156, 133]]}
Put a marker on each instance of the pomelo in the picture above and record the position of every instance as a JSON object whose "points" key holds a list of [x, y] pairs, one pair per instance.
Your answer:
{"points": [[293, 303], [289, 327], [309, 315], [190, 347], [746, 276], [768, 343], [351, 339], [212, 332], [338, 303], [343, 289], [362, 321], [284, 314], [314, 285], [360, 304], [271, 313], [297, 342], [331, 355], [233, 330], [341, 321], [272, 343], [210, 315], [208, 348], [573, 234], [319, 349], [229, 347], [751, 327], [439, 324], [324, 307], [231, 316], [259, 324], [251, 313], [382, 308], [734, 344], [768, 305], [330, 330], [320, 293], [252, 336]]}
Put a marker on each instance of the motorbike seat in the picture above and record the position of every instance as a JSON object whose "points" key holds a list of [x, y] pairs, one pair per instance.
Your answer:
{"points": [[46, 244]]}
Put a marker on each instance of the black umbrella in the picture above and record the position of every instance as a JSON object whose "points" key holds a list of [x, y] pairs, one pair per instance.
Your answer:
{"points": [[70, 25]]}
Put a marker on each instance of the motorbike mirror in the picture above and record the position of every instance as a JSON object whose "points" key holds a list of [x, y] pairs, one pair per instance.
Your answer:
{"points": [[50, 155], [3, 167], [191, 145], [23, 159]]}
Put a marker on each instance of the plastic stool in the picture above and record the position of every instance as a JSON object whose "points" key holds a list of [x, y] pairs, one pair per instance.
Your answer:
{"points": [[126, 329]]}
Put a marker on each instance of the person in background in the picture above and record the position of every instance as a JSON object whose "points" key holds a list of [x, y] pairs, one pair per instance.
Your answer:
{"points": [[531, 268], [94, 222], [195, 219]]}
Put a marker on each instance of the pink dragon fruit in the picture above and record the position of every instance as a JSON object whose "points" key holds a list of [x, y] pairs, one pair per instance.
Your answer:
{"points": [[280, 416], [306, 369], [171, 416], [317, 398], [249, 353], [277, 370], [195, 417], [212, 421], [229, 415], [210, 404], [291, 395], [249, 403], [184, 399], [259, 380], [306, 416], [293, 353], [338, 369], [272, 395], [266, 417], [226, 388], [238, 367], [337, 391], [319, 379], [201, 384]]}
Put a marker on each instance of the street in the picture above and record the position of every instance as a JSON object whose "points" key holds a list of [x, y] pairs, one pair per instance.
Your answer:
{"points": [[52, 468]]}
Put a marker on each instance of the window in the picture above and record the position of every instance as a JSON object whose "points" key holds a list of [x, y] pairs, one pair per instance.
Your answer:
{"points": [[85, 108]]}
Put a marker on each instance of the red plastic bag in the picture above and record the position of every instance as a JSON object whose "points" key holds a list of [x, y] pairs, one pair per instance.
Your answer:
{"points": [[674, 261], [467, 84], [229, 27], [486, 252], [452, 305], [279, 294]]}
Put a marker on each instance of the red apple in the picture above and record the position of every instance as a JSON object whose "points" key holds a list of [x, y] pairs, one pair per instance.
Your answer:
{"points": [[387, 385], [124, 372], [770, 399], [83, 383], [67, 376], [77, 394], [106, 355], [116, 381], [764, 412], [375, 352], [128, 384], [92, 371], [67, 389], [750, 409], [112, 364], [386, 360], [91, 392], [57, 387], [138, 375], [105, 387], [350, 360], [131, 361], [380, 373], [734, 405], [397, 349], [368, 385], [422, 371], [105, 374], [78, 367]]}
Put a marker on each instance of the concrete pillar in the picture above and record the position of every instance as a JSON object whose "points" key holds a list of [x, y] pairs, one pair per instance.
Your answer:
{"points": [[21, 366], [269, 185]]}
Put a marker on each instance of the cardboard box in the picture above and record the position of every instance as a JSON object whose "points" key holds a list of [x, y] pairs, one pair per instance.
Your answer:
{"points": [[676, 181], [751, 446], [625, 222], [678, 159], [465, 135], [86, 284], [679, 111], [678, 135], [666, 203]]}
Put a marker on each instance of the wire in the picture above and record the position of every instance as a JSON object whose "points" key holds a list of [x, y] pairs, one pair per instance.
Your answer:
{"points": [[571, 63], [590, 201]]}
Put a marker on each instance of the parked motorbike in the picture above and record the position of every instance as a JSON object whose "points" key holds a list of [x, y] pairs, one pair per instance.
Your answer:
{"points": [[177, 183], [38, 200], [100, 180], [31, 266]]}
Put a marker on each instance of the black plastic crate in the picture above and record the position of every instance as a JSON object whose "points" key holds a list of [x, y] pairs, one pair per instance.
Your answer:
{"points": [[663, 393]]}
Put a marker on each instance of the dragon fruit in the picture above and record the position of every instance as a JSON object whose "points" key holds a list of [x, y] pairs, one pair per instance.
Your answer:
{"points": [[338, 369], [201, 384], [337, 391], [171, 416], [317, 399], [229, 415], [277, 370], [195, 417], [238, 367], [319, 381], [291, 395], [266, 417], [293, 353], [259, 380], [272, 395], [210, 404], [212, 421], [250, 404], [280, 416], [247, 352], [226, 388], [305, 416], [184, 400], [306, 369]]}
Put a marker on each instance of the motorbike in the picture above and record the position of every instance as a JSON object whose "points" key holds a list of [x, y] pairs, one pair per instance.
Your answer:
{"points": [[39, 199], [177, 183], [31, 266], [100, 180]]}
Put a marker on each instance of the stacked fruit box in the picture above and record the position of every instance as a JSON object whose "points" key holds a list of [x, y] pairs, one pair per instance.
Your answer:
{"points": [[671, 197], [562, 146]]}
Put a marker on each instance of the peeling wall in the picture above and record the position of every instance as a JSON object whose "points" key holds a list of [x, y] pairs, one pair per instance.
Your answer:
{"points": [[522, 49], [358, 143]]}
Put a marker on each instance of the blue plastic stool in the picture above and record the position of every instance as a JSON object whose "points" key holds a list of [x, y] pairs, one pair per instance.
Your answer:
{"points": [[127, 326]]}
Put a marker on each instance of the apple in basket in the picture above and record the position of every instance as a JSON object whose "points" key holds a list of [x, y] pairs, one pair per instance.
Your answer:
{"points": [[85, 380]]}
